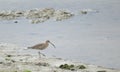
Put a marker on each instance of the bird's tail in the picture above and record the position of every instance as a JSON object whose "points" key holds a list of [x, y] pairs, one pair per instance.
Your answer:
{"points": [[29, 47]]}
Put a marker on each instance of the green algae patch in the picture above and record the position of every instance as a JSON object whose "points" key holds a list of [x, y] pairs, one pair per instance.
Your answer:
{"points": [[27, 71], [71, 67], [81, 67], [66, 66]]}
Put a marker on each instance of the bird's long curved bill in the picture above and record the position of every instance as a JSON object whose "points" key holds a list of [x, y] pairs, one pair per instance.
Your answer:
{"points": [[52, 45]]}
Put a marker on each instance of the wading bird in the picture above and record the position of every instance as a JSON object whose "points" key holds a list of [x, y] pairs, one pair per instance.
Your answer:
{"points": [[41, 46]]}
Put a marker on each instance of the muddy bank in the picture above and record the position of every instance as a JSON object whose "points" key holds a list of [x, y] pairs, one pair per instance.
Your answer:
{"points": [[12, 59], [36, 15]]}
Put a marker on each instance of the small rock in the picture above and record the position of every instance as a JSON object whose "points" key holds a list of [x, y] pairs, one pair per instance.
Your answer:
{"points": [[72, 69], [42, 64], [15, 21], [102, 71], [13, 61], [1, 62], [9, 55], [82, 67], [84, 12]]}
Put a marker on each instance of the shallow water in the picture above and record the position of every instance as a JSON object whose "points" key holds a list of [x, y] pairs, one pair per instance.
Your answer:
{"points": [[92, 38]]}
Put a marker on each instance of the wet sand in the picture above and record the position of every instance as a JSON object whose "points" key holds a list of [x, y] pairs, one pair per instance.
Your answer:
{"points": [[12, 59]]}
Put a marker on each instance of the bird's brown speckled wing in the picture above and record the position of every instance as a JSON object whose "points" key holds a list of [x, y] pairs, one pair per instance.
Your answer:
{"points": [[38, 46]]}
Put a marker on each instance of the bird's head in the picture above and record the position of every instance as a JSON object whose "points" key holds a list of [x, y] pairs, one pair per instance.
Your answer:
{"points": [[47, 41]]}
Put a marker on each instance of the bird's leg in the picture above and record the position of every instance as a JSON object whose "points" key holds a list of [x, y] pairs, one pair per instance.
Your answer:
{"points": [[39, 54], [43, 54]]}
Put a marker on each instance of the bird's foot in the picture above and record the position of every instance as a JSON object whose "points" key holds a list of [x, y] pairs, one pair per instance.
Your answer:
{"points": [[41, 54]]}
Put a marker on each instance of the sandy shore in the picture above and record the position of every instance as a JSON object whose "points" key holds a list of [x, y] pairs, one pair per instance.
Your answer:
{"points": [[12, 59]]}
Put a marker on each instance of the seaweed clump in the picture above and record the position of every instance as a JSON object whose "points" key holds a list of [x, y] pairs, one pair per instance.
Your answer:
{"points": [[66, 66], [81, 67], [71, 67]]}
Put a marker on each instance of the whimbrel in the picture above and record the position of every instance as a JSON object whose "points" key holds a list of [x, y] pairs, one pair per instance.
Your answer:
{"points": [[41, 46]]}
